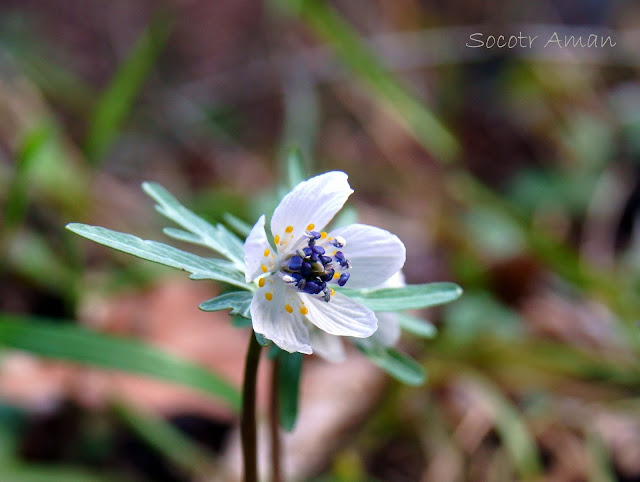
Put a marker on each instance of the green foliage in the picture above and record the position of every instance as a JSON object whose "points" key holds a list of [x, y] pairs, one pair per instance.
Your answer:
{"points": [[116, 101], [30, 148], [237, 224], [168, 440], [358, 57], [239, 302], [297, 169], [200, 268], [512, 429], [400, 366], [416, 326], [410, 297], [289, 372], [72, 343], [261, 339], [217, 237]]}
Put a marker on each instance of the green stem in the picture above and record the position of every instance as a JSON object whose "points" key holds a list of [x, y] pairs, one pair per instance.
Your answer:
{"points": [[274, 422], [248, 421]]}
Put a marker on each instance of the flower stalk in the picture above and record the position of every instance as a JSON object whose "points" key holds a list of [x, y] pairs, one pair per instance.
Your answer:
{"points": [[274, 421], [248, 420]]}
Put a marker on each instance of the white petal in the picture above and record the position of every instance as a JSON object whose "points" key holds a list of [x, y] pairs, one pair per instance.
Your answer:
{"points": [[271, 318], [329, 347], [313, 202], [375, 254], [341, 316], [255, 248], [388, 332]]}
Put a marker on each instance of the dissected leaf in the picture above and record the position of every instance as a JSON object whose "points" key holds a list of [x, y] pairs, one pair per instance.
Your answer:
{"points": [[201, 268], [237, 224], [239, 302], [416, 326], [217, 237], [410, 297], [400, 366], [262, 340]]}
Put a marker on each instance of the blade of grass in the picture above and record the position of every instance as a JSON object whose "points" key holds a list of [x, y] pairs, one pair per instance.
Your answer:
{"points": [[512, 429], [427, 130], [345, 41], [116, 101], [67, 342], [169, 441]]}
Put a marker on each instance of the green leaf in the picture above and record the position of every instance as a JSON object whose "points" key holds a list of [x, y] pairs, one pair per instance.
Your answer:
{"points": [[416, 326], [240, 321], [296, 167], [237, 224], [178, 448], [365, 65], [48, 473], [201, 268], [410, 297], [289, 371], [17, 193], [68, 342], [200, 231], [400, 366], [262, 340], [116, 101], [238, 301], [512, 429]]}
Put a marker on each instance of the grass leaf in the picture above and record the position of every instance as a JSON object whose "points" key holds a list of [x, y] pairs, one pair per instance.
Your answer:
{"points": [[75, 344]]}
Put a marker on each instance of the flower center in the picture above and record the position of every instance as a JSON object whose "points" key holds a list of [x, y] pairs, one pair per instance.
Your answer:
{"points": [[310, 269]]}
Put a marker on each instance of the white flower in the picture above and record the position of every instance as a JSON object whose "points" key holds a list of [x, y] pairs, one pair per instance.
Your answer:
{"points": [[295, 304], [331, 347]]}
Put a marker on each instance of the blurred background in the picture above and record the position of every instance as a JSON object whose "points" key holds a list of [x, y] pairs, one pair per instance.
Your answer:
{"points": [[513, 172]]}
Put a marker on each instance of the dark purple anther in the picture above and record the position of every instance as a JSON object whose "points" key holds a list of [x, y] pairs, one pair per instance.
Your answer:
{"points": [[296, 276], [305, 269], [312, 288], [317, 249], [325, 260], [314, 258], [344, 277], [307, 251], [314, 234], [339, 255], [295, 263], [328, 276]]}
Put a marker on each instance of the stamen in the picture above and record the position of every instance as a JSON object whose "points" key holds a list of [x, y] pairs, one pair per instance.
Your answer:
{"points": [[261, 282], [288, 308], [268, 296], [295, 263], [264, 268], [276, 239], [310, 268], [339, 242], [288, 229], [267, 252], [344, 277], [303, 310]]}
